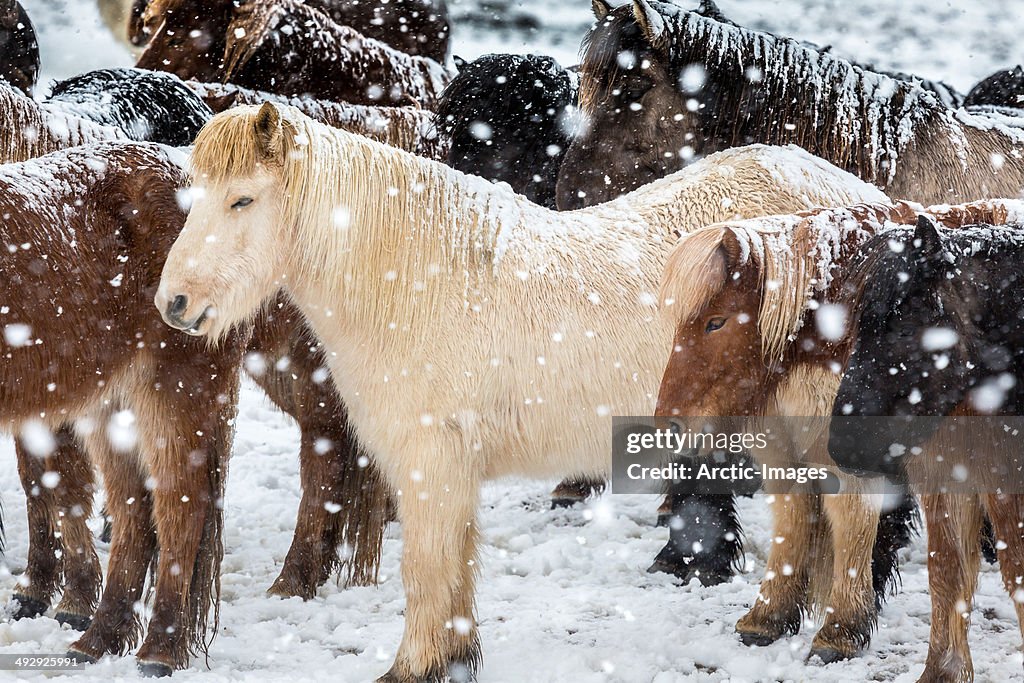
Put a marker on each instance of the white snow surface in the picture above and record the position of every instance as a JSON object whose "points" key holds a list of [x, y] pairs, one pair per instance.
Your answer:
{"points": [[562, 595]]}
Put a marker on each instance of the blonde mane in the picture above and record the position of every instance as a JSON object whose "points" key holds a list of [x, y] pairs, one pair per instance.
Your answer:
{"points": [[791, 257]]}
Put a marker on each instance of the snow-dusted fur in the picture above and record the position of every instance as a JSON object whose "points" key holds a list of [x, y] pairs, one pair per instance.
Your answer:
{"points": [[408, 128], [757, 87], [474, 334], [31, 129]]}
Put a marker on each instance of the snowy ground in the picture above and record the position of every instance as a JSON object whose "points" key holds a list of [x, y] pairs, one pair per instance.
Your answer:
{"points": [[562, 595]]}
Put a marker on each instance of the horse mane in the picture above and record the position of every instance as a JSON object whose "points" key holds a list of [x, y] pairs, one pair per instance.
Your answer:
{"points": [[791, 258], [800, 95], [880, 271], [153, 106]]}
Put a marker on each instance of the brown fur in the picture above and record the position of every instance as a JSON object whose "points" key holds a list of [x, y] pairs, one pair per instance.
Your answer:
{"points": [[321, 58], [408, 128], [91, 297], [888, 132]]}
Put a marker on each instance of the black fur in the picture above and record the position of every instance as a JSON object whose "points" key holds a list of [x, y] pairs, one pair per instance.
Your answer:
{"points": [[896, 529], [1004, 88], [523, 102], [149, 106], [19, 49]]}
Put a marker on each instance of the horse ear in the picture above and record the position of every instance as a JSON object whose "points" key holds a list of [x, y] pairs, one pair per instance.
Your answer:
{"points": [[927, 240], [651, 23], [602, 8], [269, 132]]}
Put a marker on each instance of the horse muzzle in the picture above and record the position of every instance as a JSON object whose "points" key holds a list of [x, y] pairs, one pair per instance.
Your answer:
{"points": [[174, 311]]}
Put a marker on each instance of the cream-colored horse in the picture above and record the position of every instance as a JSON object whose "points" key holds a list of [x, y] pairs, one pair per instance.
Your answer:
{"points": [[474, 334]]}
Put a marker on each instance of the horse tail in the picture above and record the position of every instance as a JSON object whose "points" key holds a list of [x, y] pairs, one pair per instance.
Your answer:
{"points": [[1004, 88], [508, 119]]}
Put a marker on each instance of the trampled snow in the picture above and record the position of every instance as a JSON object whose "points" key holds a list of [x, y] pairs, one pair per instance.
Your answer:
{"points": [[562, 595]]}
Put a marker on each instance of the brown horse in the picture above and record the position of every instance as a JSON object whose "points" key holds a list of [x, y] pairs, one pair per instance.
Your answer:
{"points": [[416, 27], [747, 298], [285, 47], [154, 409], [330, 474], [408, 128], [693, 84]]}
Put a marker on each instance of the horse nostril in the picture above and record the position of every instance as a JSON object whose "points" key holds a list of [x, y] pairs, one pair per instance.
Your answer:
{"points": [[177, 307]]}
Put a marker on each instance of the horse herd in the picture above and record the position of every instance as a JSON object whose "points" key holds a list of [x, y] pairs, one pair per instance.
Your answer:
{"points": [[673, 215]]}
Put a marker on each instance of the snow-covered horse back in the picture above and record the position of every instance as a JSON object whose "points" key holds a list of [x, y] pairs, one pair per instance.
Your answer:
{"points": [[671, 85], [459, 319]]}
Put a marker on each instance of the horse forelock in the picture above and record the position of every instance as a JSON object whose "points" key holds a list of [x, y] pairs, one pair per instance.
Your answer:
{"points": [[600, 62], [228, 147]]}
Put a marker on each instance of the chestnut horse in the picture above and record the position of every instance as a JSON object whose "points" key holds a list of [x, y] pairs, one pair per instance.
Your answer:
{"points": [[158, 106], [755, 306], [19, 49], [153, 409], [936, 332], [286, 47], [444, 300]]}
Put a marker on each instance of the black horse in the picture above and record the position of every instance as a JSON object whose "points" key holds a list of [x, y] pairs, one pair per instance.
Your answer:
{"points": [[149, 106], [938, 332], [1004, 88], [509, 118], [19, 49]]}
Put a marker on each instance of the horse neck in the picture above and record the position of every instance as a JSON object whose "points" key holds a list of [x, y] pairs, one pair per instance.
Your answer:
{"points": [[380, 230], [854, 118]]}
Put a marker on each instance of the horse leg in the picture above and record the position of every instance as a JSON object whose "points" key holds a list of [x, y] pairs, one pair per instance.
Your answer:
{"points": [[81, 568], [115, 625], [1006, 512], [954, 522], [438, 512], [851, 614], [571, 491], [42, 574], [188, 459], [704, 537], [783, 593]]}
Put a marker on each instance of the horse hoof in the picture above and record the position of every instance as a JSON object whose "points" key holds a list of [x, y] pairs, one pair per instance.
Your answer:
{"points": [[80, 657], [756, 639], [827, 655], [155, 669], [686, 572], [28, 608], [78, 622]]}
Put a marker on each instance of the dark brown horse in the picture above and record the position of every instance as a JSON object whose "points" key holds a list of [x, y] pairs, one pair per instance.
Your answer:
{"points": [[19, 49], [286, 47], [661, 86], [416, 27], [153, 408]]}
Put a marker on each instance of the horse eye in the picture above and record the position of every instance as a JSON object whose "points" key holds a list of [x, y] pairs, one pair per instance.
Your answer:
{"points": [[242, 203], [715, 324]]}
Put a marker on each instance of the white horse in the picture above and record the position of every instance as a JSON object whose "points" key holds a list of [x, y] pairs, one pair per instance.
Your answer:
{"points": [[474, 334]]}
